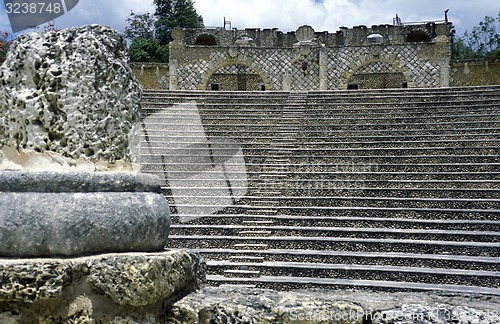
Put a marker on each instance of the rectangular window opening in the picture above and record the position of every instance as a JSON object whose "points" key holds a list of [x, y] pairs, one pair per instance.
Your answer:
{"points": [[352, 86]]}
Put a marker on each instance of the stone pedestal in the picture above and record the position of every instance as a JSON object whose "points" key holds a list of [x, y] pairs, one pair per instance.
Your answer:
{"points": [[70, 187]]}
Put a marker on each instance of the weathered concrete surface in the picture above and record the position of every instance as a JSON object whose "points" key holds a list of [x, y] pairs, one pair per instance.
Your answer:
{"points": [[72, 94], [50, 214], [247, 305], [36, 224], [104, 289]]}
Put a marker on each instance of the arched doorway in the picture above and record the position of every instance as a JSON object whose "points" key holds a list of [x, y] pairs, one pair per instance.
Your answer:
{"points": [[377, 75], [235, 77]]}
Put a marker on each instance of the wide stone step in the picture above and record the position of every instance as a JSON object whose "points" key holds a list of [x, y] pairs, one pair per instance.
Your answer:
{"points": [[409, 183], [312, 257], [267, 134], [287, 283], [234, 115], [426, 112], [333, 221], [480, 278], [475, 143], [379, 176], [318, 165], [339, 232], [371, 211], [341, 170], [367, 202], [340, 244], [353, 188], [398, 149], [286, 178], [156, 143]]}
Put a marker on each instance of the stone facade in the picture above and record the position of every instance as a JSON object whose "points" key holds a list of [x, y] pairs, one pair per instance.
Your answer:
{"points": [[384, 56]]}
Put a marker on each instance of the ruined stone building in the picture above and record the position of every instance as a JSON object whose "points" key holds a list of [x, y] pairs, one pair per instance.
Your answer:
{"points": [[383, 56]]}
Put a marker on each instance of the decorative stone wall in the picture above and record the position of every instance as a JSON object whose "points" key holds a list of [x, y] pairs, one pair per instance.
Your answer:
{"points": [[306, 60]]}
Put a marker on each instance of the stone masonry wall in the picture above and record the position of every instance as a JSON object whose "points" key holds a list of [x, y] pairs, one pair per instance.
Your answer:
{"points": [[151, 76], [474, 74], [462, 74]]}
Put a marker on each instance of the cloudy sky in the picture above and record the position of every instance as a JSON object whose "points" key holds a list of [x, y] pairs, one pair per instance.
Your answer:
{"points": [[287, 15]]}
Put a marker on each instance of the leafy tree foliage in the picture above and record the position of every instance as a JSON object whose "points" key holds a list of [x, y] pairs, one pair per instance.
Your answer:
{"points": [[173, 13], [148, 50], [140, 25], [6, 41], [482, 43], [144, 45]]}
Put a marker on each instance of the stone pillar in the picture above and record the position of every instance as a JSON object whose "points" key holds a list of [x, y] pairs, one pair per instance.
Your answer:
{"points": [[176, 49], [323, 68], [287, 83], [174, 77], [445, 73]]}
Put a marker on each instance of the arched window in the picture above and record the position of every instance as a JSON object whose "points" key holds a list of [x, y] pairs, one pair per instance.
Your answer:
{"points": [[375, 39], [206, 40], [418, 37]]}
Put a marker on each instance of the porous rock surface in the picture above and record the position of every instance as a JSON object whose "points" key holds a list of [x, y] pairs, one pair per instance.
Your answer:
{"points": [[248, 305], [71, 93], [99, 289]]}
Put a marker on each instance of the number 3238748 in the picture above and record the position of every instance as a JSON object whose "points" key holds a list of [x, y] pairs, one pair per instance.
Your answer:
{"points": [[33, 8]]}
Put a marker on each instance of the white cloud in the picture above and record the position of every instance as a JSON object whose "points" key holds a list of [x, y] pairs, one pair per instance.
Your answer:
{"points": [[331, 14], [287, 15]]}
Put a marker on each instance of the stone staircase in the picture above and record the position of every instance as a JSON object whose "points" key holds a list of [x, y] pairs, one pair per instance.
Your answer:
{"points": [[382, 189]]}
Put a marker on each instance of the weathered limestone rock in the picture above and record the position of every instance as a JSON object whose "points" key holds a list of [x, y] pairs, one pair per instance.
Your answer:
{"points": [[99, 289], [248, 305], [70, 93], [244, 305]]}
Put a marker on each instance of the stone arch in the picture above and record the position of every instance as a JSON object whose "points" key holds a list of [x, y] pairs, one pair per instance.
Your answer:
{"points": [[418, 36], [378, 74], [205, 40], [261, 80]]}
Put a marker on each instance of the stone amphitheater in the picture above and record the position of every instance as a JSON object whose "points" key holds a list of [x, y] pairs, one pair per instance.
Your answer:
{"points": [[394, 190]]}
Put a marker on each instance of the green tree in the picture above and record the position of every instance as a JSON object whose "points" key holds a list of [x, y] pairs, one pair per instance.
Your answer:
{"points": [[482, 42], [172, 13], [148, 50], [140, 25], [144, 45], [6, 41]]}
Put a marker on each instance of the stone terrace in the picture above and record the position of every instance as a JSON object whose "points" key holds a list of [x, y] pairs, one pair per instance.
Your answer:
{"points": [[381, 189]]}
